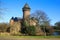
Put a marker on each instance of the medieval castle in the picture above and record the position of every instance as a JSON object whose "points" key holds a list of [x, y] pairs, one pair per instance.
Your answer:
{"points": [[26, 14], [17, 22]]}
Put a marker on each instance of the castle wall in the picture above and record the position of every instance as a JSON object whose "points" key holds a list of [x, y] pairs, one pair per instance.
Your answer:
{"points": [[11, 22]]}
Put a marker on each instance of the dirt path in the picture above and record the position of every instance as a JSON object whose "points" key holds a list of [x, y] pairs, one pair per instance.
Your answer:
{"points": [[7, 38]]}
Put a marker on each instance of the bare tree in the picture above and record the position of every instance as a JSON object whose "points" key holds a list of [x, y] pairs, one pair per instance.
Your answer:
{"points": [[2, 9], [42, 19], [57, 24]]}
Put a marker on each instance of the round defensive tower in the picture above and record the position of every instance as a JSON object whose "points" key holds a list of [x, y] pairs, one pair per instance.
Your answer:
{"points": [[26, 11]]}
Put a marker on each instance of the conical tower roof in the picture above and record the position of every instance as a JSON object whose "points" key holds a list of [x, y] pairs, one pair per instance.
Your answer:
{"points": [[26, 6]]}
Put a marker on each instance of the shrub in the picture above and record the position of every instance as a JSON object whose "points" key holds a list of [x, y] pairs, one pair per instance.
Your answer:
{"points": [[14, 29], [3, 27], [31, 30]]}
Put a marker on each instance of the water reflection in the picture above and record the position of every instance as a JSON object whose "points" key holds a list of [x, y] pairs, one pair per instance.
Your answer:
{"points": [[56, 33]]}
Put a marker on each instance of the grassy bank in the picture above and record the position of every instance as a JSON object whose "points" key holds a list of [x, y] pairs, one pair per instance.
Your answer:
{"points": [[31, 36], [7, 35], [37, 36]]}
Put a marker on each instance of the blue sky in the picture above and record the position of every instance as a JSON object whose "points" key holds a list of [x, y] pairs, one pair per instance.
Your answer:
{"points": [[14, 8]]}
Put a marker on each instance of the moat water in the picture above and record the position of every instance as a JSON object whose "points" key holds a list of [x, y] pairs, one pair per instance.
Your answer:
{"points": [[56, 33]]}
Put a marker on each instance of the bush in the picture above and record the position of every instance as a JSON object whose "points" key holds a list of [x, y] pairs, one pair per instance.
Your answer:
{"points": [[27, 29], [3, 27], [30, 30], [14, 29]]}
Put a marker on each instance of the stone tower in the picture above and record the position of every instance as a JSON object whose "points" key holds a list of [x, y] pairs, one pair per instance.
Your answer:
{"points": [[26, 11], [12, 21]]}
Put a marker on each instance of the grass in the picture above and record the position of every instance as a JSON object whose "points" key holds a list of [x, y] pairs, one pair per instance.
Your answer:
{"points": [[32, 36], [37, 36], [5, 35]]}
